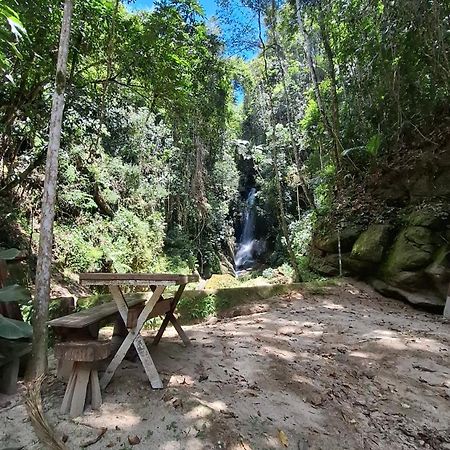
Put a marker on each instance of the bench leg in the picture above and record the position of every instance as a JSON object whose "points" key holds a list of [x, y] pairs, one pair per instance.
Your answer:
{"points": [[180, 330], [77, 389], [147, 362], [161, 330], [67, 400], [96, 395], [9, 374], [64, 369]]}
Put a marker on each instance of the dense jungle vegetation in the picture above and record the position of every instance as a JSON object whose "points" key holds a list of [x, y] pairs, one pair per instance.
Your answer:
{"points": [[158, 149]]}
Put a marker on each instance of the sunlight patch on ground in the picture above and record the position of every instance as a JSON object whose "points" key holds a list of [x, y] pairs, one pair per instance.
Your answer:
{"points": [[365, 355], [279, 353], [118, 416], [331, 305], [176, 380]]}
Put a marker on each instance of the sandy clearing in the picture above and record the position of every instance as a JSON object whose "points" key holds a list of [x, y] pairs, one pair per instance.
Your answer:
{"points": [[343, 368]]}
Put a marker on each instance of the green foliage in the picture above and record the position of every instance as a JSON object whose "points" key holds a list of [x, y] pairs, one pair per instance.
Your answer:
{"points": [[9, 254], [14, 293], [14, 329], [155, 151], [200, 309]]}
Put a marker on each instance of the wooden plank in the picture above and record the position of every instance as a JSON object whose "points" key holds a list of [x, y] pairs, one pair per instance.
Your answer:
{"points": [[90, 316], [126, 283], [148, 363], [88, 278], [79, 393], [67, 400], [96, 395], [162, 307]]}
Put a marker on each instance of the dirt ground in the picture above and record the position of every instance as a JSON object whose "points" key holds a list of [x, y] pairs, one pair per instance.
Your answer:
{"points": [[332, 368]]}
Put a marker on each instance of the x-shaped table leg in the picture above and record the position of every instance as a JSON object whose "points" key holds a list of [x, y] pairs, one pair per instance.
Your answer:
{"points": [[134, 337], [170, 317]]}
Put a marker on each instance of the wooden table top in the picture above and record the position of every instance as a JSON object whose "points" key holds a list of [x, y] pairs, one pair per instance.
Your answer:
{"points": [[136, 279]]}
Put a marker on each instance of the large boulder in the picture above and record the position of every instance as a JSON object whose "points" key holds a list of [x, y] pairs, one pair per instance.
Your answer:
{"points": [[371, 244], [327, 265], [424, 298], [329, 242], [412, 250]]}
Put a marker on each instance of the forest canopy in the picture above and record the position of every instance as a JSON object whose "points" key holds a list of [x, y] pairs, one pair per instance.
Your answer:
{"points": [[158, 155]]}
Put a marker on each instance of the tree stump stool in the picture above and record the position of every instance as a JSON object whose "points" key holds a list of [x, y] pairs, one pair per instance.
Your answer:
{"points": [[83, 380]]}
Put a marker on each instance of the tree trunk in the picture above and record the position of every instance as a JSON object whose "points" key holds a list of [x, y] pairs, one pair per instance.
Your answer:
{"points": [[280, 58], [331, 70], [43, 271], [312, 70], [274, 155]]}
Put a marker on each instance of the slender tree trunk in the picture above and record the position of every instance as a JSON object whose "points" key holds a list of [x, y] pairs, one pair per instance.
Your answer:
{"points": [[331, 70], [280, 58], [274, 154], [44, 261], [312, 70]]}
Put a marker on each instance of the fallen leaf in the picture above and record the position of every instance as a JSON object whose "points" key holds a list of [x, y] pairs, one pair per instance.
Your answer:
{"points": [[283, 438]]}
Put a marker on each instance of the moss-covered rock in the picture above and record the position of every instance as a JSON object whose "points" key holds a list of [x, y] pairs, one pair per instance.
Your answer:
{"points": [[357, 267], [413, 249], [371, 244], [433, 216], [218, 281], [329, 242], [327, 265]]}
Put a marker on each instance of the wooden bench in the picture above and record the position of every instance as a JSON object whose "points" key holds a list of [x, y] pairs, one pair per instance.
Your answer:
{"points": [[83, 383]]}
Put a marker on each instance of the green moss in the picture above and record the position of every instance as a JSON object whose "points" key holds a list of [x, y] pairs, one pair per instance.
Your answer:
{"points": [[371, 244], [412, 250]]}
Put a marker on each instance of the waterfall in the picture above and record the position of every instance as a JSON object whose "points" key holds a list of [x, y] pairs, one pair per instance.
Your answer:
{"points": [[248, 247]]}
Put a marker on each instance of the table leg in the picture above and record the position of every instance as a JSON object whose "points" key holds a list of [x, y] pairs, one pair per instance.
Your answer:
{"points": [[180, 330], [134, 334], [170, 317]]}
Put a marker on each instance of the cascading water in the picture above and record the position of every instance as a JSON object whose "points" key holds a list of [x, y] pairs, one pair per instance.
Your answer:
{"points": [[248, 247]]}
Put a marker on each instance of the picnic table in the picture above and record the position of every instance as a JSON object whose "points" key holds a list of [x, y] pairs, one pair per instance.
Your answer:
{"points": [[153, 306]]}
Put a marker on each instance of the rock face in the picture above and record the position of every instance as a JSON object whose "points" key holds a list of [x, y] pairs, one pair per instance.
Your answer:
{"points": [[411, 262], [329, 242], [404, 246], [407, 256]]}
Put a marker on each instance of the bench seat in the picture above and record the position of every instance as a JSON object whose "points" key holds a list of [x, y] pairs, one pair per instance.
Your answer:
{"points": [[90, 316]]}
